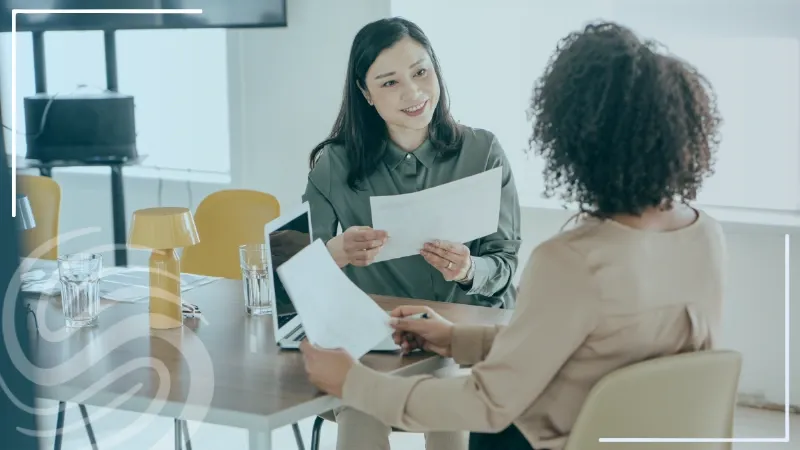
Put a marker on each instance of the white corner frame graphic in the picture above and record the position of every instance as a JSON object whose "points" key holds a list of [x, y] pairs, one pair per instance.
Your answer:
{"points": [[14, 13], [787, 384], [786, 251]]}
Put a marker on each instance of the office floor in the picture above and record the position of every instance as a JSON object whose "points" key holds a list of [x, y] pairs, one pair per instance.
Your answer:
{"points": [[126, 431]]}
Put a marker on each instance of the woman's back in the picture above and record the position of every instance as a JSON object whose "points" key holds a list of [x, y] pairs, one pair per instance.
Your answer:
{"points": [[647, 294]]}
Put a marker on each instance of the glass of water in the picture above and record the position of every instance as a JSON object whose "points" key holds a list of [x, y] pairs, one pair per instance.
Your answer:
{"points": [[79, 275], [254, 261]]}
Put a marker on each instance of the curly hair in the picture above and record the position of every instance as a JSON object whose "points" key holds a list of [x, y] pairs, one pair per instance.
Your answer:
{"points": [[622, 128]]}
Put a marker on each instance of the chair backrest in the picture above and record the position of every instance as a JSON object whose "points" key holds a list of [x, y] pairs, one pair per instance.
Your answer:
{"points": [[690, 395], [225, 220], [44, 195]]}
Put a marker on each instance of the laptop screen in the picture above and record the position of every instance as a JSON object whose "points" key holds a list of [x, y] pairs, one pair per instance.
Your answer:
{"points": [[284, 243]]}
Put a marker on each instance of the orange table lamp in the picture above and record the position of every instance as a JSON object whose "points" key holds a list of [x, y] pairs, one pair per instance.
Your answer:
{"points": [[163, 230]]}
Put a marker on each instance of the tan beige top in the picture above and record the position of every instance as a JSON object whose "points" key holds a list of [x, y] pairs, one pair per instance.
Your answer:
{"points": [[592, 299]]}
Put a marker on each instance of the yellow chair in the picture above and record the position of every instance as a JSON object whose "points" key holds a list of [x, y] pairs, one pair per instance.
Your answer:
{"points": [[225, 220], [690, 395], [44, 195]]}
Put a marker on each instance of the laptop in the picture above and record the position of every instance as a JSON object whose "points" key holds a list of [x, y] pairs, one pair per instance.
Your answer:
{"points": [[285, 236]]}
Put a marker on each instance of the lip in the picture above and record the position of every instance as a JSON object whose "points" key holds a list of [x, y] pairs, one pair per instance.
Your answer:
{"points": [[418, 111]]}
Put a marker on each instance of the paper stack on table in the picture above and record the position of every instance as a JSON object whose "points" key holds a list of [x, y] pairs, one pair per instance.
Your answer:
{"points": [[335, 313], [132, 284], [121, 284], [460, 211]]}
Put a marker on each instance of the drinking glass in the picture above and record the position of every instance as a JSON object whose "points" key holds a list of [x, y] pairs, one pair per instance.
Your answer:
{"points": [[255, 278], [80, 288]]}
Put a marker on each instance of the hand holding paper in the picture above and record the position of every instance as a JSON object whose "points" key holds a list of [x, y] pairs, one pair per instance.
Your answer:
{"points": [[334, 311], [460, 211], [451, 259], [357, 246]]}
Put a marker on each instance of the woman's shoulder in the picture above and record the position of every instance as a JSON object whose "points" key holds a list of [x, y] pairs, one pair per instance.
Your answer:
{"points": [[483, 144], [585, 234], [332, 159], [329, 168], [479, 138]]}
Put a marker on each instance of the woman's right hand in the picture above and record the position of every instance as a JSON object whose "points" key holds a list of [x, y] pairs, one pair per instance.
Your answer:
{"points": [[357, 246], [433, 334]]}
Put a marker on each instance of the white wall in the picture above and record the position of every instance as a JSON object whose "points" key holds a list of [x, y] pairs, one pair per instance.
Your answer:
{"points": [[284, 93], [289, 86], [509, 54]]}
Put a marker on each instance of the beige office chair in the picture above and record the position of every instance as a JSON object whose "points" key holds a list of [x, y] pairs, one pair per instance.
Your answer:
{"points": [[691, 395]]}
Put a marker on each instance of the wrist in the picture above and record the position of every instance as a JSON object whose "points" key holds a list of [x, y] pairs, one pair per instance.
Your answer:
{"points": [[449, 341], [469, 274], [335, 247]]}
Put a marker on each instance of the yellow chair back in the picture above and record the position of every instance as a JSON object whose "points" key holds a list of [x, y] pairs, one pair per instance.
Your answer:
{"points": [[44, 195], [225, 220]]}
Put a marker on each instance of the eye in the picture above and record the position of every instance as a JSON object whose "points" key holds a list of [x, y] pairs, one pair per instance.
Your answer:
{"points": [[389, 83], [422, 72]]}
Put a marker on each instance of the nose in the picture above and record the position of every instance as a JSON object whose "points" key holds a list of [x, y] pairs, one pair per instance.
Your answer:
{"points": [[411, 92]]}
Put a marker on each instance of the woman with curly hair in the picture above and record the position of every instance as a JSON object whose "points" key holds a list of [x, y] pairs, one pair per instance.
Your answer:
{"points": [[628, 134]]}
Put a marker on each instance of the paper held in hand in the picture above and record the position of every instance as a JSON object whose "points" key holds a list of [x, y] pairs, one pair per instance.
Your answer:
{"points": [[335, 313], [460, 211]]}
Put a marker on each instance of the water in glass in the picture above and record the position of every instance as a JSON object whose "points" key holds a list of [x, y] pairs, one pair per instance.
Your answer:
{"points": [[79, 275], [255, 279]]}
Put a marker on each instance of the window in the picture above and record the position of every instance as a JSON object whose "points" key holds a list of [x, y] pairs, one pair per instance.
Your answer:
{"points": [[492, 52], [178, 79]]}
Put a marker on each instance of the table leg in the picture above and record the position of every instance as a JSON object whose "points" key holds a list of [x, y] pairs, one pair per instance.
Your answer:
{"points": [[46, 172], [260, 440], [178, 431], [118, 213]]}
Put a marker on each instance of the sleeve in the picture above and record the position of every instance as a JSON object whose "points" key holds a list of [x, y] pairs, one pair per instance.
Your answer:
{"points": [[496, 259], [471, 343], [556, 312], [324, 222]]}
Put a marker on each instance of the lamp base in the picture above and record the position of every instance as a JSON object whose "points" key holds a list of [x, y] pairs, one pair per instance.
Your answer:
{"points": [[166, 310]]}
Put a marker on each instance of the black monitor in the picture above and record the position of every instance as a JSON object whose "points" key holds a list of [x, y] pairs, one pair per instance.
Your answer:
{"points": [[216, 14]]}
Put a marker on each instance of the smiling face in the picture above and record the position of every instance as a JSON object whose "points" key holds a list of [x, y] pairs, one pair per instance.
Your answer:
{"points": [[403, 86]]}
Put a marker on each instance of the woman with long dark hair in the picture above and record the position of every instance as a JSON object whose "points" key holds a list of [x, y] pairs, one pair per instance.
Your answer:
{"points": [[394, 135], [628, 133]]}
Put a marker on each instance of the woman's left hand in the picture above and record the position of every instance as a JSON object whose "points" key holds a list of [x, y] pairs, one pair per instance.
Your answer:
{"points": [[327, 369], [451, 259]]}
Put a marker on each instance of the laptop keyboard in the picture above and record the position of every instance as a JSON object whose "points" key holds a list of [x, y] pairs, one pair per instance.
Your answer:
{"points": [[284, 319]]}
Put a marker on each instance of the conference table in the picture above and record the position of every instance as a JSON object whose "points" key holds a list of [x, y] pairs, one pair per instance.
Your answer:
{"points": [[222, 367]]}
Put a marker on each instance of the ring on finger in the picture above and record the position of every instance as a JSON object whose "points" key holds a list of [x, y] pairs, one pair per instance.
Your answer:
{"points": [[449, 265]]}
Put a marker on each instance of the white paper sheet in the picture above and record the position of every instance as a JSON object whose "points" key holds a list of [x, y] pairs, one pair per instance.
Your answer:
{"points": [[121, 284], [335, 313], [460, 211]]}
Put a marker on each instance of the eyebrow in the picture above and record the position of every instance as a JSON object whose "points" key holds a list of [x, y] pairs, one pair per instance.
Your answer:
{"points": [[388, 74]]}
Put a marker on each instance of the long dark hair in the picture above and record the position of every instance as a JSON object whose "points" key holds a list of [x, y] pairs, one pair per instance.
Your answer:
{"points": [[359, 127]]}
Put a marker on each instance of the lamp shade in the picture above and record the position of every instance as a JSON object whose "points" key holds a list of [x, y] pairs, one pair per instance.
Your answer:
{"points": [[163, 228], [25, 220]]}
